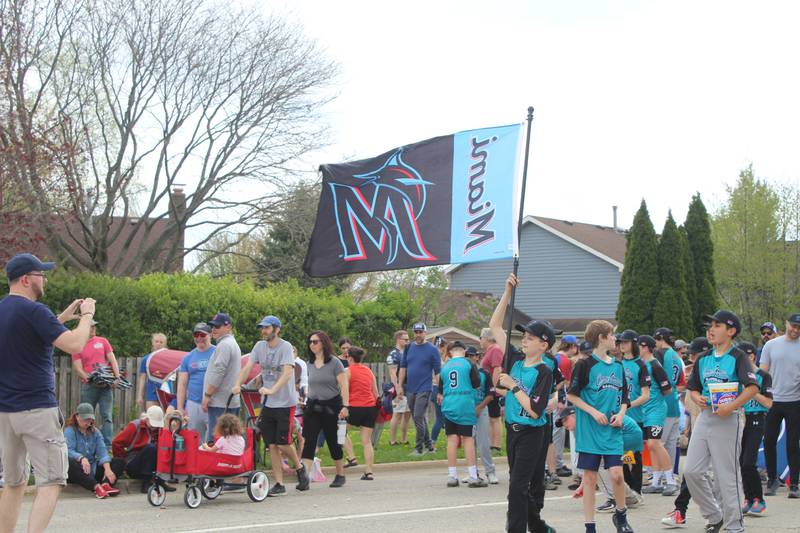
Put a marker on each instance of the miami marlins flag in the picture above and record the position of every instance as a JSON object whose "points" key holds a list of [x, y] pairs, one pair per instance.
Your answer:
{"points": [[450, 199]]}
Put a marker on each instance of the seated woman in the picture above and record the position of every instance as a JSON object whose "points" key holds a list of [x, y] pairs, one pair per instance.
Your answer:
{"points": [[87, 451], [230, 439]]}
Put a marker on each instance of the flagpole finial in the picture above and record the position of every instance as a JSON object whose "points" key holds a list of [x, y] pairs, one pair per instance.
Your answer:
{"points": [[530, 112]]}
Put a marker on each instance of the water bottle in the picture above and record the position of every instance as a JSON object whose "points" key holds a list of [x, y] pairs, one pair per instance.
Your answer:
{"points": [[341, 432], [180, 444]]}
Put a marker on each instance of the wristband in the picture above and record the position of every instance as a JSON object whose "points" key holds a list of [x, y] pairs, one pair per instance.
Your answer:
{"points": [[84, 314], [207, 395], [515, 390]]}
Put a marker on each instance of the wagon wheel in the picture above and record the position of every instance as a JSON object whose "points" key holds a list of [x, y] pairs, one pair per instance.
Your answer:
{"points": [[192, 497], [211, 488], [258, 486], [156, 495]]}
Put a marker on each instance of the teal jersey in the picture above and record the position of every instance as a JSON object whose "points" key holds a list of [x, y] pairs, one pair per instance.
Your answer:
{"points": [[637, 377], [536, 381], [673, 366], [458, 395], [632, 439], [603, 386], [655, 409], [482, 391], [764, 381], [729, 367], [552, 364]]}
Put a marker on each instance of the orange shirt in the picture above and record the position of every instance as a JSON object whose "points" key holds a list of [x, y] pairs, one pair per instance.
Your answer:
{"points": [[361, 382]]}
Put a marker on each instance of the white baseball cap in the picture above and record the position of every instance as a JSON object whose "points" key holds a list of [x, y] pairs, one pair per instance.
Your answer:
{"points": [[155, 416]]}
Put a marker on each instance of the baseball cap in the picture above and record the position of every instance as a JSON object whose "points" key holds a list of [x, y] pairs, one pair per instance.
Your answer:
{"points": [[628, 335], [471, 350], [419, 326], [565, 412], [585, 347], [569, 339], [202, 327], [680, 343], [747, 347], [270, 320], [458, 344], [662, 334], [646, 340], [726, 317], [770, 326], [794, 319], [541, 329], [155, 416], [699, 344], [85, 411], [220, 319], [21, 264]]}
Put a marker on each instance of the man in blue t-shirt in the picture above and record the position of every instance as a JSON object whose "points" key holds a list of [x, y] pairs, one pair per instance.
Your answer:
{"points": [[420, 361], [146, 388], [191, 374], [30, 422]]}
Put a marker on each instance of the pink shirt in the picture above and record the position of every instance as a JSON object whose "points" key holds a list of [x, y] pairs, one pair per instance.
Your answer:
{"points": [[233, 445], [492, 358], [94, 353]]}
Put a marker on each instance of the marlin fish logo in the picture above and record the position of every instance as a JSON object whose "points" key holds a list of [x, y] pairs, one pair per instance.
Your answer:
{"points": [[383, 205]]}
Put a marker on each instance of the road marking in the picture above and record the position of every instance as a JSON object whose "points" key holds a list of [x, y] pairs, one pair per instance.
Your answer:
{"points": [[358, 516]]}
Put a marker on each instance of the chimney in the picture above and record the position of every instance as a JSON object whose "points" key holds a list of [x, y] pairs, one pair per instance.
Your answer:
{"points": [[177, 200], [615, 217]]}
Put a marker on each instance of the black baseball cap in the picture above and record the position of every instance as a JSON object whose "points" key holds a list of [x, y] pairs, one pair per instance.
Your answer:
{"points": [[728, 318], [662, 334], [419, 326], [627, 335], [585, 347], [699, 344], [793, 319], [565, 412], [541, 329], [646, 340], [458, 344], [770, 326], [21, 264], [747, 347], [471, 351], [202, 327], [220, 319]]}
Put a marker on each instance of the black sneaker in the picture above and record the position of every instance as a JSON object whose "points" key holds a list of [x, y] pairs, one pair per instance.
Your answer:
{"points": [[276, 490], [772, 487], [607, 507], [713, 528], [576, 482], [794, 493], [563, 472], [620, 521], [303, 482], [338, 481], [537, 525]]}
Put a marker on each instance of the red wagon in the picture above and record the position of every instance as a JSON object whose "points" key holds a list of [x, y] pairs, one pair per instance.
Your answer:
{"points": [[162, 368], [206, 474]]}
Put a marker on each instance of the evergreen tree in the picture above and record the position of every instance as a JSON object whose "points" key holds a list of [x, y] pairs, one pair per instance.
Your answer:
{"points": [[701, 250], [672, 306], [688, 270], [639, 275]]}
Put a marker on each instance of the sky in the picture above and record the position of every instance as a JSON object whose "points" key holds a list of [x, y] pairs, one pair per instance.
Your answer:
{"points": [[653, 100]]}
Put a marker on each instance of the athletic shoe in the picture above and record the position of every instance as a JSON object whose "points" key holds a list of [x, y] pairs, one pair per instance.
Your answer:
{"points": [[100, 492], [492, 478], [477, 482], [452, 481], [416, 453], [713, 528], [548, 483], [759, 508], [111, 491], [620, 521], [746, 507], [576, 482], [276, 490], [653, 489], [607, 507], [431, 450], [634, 501], [674, 519], [303, 481], [540, 526], [794, 492], [772, 487], [555, 480], [563, 471], [337, 482], [670, 489]]}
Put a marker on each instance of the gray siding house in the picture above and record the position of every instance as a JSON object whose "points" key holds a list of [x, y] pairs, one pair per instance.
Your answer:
{"points": [[569, 272]]}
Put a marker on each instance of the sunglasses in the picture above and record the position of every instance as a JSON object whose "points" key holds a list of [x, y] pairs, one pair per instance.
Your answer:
{"points": [[314, 341], [199, 335], [419, 331]]}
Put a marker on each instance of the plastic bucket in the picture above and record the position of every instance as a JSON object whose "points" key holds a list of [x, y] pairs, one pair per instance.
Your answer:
{"points": [[722, 393]]}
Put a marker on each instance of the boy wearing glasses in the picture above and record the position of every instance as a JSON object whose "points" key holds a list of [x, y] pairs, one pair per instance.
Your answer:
{"points": [[191, 374]]}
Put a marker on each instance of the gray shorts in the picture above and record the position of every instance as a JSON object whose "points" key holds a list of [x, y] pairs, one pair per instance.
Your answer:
{"points": [[400, 405], [198, 419], [36, 434]]}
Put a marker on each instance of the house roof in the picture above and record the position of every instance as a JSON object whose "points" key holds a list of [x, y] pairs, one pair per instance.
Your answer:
{"points": [[604, 242]]}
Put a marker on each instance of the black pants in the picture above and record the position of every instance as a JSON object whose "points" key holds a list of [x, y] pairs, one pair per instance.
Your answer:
{"points": [[76, 476], [139, 465], [527, 452], [633, 473], [751, 440], [683, 499], [327, 421], [789, 411]]}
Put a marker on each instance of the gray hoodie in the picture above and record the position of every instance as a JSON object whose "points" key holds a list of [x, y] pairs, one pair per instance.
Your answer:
{"points": [[223, 369]]}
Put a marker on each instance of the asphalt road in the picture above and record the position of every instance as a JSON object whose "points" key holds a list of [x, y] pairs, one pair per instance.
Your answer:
{"points": [[413, 498]]}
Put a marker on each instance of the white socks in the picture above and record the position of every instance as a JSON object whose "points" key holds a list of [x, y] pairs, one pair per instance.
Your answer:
{"points": [[473, 471], [669, 477], [657, 475], [452, 472]]}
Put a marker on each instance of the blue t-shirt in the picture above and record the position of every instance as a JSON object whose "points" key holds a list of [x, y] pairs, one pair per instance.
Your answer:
{"points": [[731, 366], [27, 372], [764, 387], [637, 378], [655, 409], [195, 364], [631, 435], [602, 385], [536, 381], [673, 366], [458, 394], [421, 361], [151, 387]]}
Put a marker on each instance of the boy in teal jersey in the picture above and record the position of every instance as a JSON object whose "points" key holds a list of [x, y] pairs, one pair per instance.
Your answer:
{"points": [[716, 434], [481, 431], [600, 392], [459, 378], [655, 413], [673, 365], [755, 412], [638, 380]]}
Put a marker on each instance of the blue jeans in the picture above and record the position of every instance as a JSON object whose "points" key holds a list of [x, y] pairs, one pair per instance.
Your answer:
{"points": [[438, 424], [104, 398], [213, 414]]}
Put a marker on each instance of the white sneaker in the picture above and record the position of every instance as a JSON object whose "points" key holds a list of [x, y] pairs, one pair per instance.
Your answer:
{"points": [[492, 478]]}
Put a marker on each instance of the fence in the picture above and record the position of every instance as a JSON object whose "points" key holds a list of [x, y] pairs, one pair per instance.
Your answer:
{"points": [[124, 407]]}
